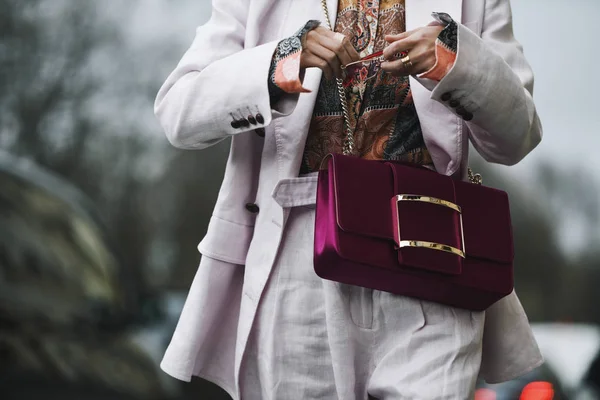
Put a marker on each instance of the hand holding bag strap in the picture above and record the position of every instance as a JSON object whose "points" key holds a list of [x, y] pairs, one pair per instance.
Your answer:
{"points": [[348, 148]]}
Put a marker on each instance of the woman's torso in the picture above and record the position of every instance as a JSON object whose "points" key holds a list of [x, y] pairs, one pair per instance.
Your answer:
{"points": [[381, 113]]}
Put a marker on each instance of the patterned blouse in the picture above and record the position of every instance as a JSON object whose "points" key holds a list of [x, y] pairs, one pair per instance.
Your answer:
{"points": [[382, 113]]}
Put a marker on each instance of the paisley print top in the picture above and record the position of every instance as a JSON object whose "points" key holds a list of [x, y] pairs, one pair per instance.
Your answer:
{"points": [[382, 113]]}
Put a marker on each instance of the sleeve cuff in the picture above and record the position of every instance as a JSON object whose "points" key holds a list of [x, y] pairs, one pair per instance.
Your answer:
{"points": [[285, 75], [445, 49]]}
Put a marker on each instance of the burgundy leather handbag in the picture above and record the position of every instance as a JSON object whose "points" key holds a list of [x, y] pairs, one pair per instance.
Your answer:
{"points": [[411, 231], [407, 230]]}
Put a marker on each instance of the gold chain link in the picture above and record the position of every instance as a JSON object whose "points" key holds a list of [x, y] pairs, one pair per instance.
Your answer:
{"points": [[349, 142], [474, 178]]}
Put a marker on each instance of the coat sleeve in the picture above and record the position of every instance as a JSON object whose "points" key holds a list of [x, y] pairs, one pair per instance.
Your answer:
{"points": [[219, 80], [493, 83]]}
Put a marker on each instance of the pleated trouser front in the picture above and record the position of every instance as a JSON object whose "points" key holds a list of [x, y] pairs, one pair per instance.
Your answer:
{"points": [[318, 339]]}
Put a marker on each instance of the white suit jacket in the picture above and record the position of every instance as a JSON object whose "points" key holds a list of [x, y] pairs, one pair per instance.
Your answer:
{"points": [[224, 75]]}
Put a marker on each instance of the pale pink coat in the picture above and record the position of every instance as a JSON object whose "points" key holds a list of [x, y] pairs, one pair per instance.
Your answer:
{"points": [[225, 71]]}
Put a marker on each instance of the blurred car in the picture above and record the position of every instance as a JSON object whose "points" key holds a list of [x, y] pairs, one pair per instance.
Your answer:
{"points": [[515, 389]]}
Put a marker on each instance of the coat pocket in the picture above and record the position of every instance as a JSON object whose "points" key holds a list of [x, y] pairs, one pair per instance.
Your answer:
{"points": [[226, 241]]}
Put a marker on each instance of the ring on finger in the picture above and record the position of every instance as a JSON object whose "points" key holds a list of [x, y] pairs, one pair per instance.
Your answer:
{"points": [[406, 61]]}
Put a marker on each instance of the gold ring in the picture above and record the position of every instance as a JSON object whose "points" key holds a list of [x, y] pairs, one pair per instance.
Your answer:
{"points": [[406, 62]]}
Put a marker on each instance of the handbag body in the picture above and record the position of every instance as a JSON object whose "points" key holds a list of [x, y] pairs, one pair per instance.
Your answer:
{"points": [[410, 231]]}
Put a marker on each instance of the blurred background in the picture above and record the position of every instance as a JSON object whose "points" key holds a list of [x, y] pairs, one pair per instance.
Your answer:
{"points": [[100, 217]]}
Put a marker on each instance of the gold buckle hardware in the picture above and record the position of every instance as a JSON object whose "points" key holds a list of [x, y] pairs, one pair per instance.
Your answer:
{"points": [[430, 245]]}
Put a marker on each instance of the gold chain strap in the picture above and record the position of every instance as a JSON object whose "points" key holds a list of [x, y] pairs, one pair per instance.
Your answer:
{"points": [[349, 141]]}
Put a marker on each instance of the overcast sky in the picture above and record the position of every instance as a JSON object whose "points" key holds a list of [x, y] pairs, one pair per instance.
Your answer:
{"points": [[559, 40]]}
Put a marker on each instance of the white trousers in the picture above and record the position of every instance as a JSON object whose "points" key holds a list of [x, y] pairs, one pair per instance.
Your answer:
{"points": [[318, 339]]}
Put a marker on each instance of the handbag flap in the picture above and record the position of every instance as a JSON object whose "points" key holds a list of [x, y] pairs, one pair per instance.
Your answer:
{"points": [[365, 188], [363, 191]]}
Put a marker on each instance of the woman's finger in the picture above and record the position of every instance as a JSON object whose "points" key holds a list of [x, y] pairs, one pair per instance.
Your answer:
{"points": [[399, 46], [312, 60], [321, 30], [329, 56], [398, 68], [395, 68], [343, 39], [338, 47], [399, 36], [348, 48]]}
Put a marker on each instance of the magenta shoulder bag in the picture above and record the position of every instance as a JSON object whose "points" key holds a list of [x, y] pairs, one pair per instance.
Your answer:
{"points": [[410, 231]]}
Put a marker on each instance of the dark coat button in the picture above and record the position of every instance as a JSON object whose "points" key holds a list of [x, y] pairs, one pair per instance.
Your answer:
{"points": [[253, 208], [454, 103], [260, 132], [252, 119], [260, 118], [244, 122], [446, 96], [466, 115], [235, 124]]}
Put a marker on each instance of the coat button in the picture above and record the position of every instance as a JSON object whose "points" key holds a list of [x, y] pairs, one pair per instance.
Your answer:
{"points": [[446, 96], [260, 118], [454, 103], [235, 124], [260, 132], [253, 208], [466, 115], [244, 122], [251, 119]]}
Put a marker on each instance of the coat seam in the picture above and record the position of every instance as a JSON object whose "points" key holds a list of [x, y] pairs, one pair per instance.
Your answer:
{"points": [[232, 222]]}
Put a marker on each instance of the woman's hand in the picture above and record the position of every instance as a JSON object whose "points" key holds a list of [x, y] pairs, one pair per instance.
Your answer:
{"points": [[420, 46], [328, 51]]}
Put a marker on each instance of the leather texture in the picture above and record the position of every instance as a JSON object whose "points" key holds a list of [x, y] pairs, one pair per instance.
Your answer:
{"points": [[357, 234]]}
